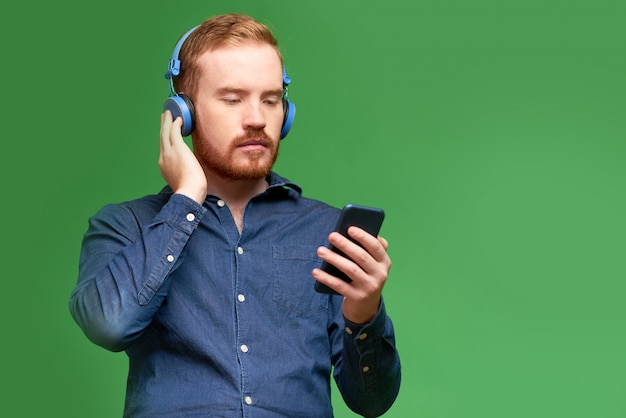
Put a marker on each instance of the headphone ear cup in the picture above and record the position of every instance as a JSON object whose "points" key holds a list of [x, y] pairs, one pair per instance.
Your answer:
{"points": [[289, 114], [182, 106]]}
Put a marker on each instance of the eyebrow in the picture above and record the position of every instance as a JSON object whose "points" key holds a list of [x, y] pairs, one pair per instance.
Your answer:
{"points": [[235, 90]]}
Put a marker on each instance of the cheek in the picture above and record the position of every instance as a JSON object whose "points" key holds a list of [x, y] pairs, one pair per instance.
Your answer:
{"points": [[210, 122], [277, 122]]}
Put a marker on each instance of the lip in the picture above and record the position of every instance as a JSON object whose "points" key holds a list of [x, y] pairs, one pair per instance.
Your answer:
{"points": [[253, 144]]}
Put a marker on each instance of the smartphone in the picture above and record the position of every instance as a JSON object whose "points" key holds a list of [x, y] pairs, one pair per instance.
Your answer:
{"points": [[367, 218]]}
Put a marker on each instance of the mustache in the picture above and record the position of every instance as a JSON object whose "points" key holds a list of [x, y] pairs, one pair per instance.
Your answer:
{"points": [[252, 136]]}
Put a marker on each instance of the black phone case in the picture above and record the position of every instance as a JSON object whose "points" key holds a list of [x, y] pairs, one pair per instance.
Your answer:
{"points": [[367, 218]]}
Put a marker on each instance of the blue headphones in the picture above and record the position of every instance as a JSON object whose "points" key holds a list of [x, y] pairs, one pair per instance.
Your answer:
{"points": [[181, 105]]}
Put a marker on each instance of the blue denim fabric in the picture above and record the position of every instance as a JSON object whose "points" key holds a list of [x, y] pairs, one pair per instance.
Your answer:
{"points": [[221, 324]]}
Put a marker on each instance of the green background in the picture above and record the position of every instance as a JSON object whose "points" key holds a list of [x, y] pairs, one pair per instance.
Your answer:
{"points": [[491, 132]]}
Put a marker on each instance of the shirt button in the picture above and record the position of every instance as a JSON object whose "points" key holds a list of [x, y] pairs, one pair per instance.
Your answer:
{"points": [[191, 217], [240, 250], [366, 369], [170, 258], [363, 336], [248, 400], [241, 298], [244, 348], [220, 203], [348, 330]]}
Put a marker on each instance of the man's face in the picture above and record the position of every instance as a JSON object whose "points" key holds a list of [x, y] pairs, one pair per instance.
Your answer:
{"points": [[239, 111]]}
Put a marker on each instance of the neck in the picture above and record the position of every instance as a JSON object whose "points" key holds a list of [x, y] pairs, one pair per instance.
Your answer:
{"points": [[235, 193]]}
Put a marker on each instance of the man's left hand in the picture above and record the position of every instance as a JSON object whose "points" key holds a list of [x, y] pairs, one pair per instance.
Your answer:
{"points": [[367, 266]]}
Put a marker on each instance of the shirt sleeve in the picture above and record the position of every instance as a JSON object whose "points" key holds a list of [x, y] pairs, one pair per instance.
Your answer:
{"points": [[126, 257], [367, 369]]}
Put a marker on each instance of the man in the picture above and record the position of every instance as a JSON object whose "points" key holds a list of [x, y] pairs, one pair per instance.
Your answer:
{"points": [[209, 285]]}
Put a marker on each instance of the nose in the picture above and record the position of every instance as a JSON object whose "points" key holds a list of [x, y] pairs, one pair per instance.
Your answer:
{"points": [[254, 116]]}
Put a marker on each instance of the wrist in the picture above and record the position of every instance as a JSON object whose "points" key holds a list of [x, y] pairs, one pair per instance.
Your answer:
{"points": [[360, 313], [197, 195]]}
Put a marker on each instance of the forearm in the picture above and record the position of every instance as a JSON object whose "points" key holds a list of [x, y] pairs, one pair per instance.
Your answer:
{"points": [[368, 375], [124, 268]]}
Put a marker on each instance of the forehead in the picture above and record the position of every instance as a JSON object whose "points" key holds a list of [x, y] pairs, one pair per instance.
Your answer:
{"points": [[251, 63]]}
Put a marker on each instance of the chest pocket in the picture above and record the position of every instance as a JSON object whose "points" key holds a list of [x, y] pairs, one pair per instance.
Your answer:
{"points": [[293, 282]]}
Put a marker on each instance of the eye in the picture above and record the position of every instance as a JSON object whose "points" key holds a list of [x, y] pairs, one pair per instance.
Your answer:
{"points": [[272, 101], [230, 100]]}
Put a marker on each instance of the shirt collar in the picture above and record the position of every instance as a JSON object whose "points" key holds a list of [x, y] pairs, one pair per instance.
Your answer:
{"points": [[276, 181]]}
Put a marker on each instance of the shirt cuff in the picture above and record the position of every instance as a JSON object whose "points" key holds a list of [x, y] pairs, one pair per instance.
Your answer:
{"points": [[182, 212], [374, 328]]}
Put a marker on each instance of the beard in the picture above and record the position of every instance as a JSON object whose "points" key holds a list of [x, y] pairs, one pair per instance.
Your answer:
{"points": [[225, 165]]}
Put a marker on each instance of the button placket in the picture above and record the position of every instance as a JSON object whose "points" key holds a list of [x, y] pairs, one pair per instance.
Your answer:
{"points": [[241, 298]]}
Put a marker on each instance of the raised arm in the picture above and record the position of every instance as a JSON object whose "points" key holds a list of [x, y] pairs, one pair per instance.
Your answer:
{"points": [[130, 249]]}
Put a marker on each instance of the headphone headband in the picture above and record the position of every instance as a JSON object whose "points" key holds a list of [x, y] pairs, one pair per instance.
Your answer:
{"points": [[173, 66]]}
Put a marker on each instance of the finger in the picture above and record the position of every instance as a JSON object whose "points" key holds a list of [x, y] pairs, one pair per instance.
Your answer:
{"points": [[341, 262], [383, 242], [166, 126], [372, 245], [371, 258], [355, 257], [361, 285], [161, 134], [176, 137], [338, 285], [361, 282]]}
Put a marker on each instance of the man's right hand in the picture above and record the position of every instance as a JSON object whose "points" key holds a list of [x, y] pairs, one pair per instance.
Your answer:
{"points": [[179, 166]]}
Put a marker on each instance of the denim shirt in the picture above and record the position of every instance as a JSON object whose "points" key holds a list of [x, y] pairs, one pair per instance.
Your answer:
{"points": [[218, 323]]}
